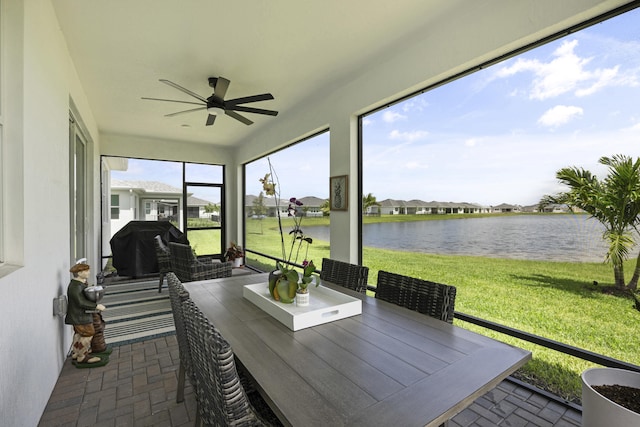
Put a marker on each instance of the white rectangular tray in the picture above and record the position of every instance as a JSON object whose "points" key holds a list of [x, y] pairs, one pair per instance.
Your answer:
{"points": [[325, 305]]}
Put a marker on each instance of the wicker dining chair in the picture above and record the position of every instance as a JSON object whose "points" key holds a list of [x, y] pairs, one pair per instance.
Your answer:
{"points": [[341, 273], [188, 268], [433, 299], [177, 293], [221, 397], [163, 256]]}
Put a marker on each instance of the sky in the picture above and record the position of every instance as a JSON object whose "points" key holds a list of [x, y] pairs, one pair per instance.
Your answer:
{"points": [[495, 136]]}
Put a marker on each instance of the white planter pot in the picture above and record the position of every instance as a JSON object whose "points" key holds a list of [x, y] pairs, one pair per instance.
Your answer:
{"points": [[302, 299], [597, 410], [237, 262]]}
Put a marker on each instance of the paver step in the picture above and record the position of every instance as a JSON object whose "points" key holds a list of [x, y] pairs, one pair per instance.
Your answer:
{"points": [[117, 288], [122, 312], [124, 298], [138, 329]]}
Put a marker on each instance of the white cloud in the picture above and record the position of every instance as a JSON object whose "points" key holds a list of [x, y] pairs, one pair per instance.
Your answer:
{"points": [[603, 78], [408, 136], [392, 116], [561, 75], [559, 115], [566, 72], [415, 104], [367, 122]]}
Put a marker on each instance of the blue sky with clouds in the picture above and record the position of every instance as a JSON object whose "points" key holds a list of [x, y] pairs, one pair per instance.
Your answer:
{"points": [[499, 135], [496, 136]]}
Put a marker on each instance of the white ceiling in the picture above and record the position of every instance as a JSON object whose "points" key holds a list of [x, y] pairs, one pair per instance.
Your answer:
{"points": [[296, 50]]}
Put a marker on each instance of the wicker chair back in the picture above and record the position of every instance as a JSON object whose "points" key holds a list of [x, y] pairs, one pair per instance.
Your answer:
{"points": [[188, 268], [341, 273], [430, 298]]}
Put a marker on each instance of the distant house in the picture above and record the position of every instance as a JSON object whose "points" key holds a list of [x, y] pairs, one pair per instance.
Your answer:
{"points": [[558, 208], [310, 205], [419, 207], [196, 208], [372, 210], [392, 207], [506, 208], [435, 208], [416, 207], [150, 201], [143, 201]]}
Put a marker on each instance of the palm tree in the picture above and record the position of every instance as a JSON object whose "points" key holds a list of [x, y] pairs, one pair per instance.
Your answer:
{"points": [[614, 201], [368, 201], [325, 208]]}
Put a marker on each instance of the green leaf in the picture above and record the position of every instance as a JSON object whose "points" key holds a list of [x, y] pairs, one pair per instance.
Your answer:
{"points": [[292, 276]]}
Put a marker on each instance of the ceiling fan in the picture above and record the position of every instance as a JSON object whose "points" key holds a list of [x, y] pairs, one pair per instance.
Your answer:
{"points": [[216, 104]]}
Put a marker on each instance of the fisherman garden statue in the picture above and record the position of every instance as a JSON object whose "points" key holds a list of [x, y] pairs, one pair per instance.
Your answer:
{"points": [[84, 314]]}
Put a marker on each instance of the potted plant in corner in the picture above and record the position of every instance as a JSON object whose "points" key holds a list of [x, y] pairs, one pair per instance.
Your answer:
{"points": [[235, 254], [610, 397]]}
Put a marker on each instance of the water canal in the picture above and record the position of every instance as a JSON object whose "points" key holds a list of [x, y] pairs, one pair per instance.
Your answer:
{"points": [[574, 238]]}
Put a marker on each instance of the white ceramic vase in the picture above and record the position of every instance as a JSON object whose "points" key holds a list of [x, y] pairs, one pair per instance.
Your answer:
{"points": [[597, 410], [237, 262]]}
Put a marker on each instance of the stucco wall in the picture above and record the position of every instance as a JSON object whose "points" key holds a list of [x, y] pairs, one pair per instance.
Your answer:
{"points": [[34, 342]]}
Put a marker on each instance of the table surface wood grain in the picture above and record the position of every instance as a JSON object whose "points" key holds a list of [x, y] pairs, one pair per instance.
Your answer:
{"points": [[386, 366]]}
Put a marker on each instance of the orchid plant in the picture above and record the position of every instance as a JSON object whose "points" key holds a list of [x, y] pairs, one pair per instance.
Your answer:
{"points": [[294, 283]]}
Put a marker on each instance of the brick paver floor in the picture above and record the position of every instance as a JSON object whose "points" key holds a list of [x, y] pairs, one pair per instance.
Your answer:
{"points": [[138, 388]]}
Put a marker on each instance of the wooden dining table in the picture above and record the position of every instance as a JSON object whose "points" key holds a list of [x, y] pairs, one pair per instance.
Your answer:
{"points": [[386, 366]]}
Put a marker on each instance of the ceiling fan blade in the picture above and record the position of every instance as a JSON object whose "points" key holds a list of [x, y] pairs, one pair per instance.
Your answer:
{"points": [[180, 88], [220, 90], [254, 98], [238, 117], [211, 119], [172, 100], [185, 111], [253, 110]]}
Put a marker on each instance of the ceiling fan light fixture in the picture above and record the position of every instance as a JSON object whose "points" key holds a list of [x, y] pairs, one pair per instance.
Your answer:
{"points": [[215, 111]]}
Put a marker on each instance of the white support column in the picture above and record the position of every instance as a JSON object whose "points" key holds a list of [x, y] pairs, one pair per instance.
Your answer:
{"points": [[344, 161], [234, 199]]}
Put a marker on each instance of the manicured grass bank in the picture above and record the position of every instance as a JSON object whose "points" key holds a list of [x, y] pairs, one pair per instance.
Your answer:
{"points": [[557, 300]]}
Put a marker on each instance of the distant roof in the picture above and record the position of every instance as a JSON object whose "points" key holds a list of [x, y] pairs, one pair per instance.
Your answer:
{"points": [[506, 206], [312, 201], [145, 186], [195, 201], [432, 204]]}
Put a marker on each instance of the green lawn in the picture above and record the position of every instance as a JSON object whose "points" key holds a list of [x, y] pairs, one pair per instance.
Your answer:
{"points": [[555, 300]]}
